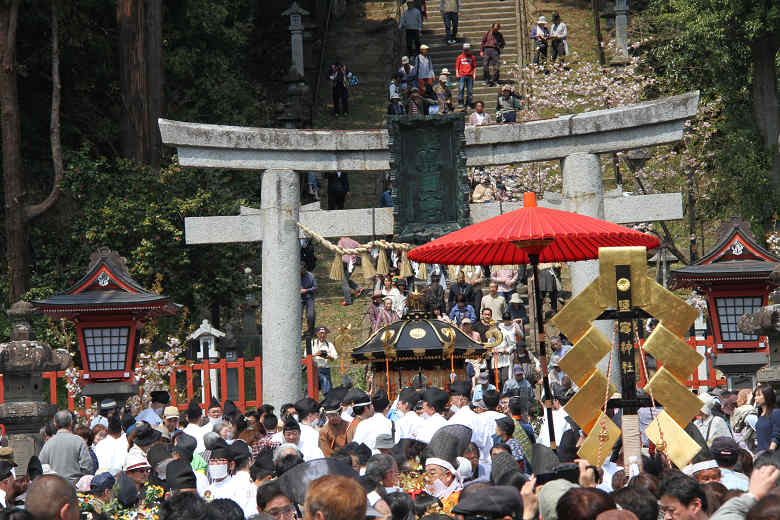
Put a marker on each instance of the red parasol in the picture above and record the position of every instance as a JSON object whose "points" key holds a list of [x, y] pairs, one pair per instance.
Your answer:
{"points": [[530, 235], [510, 238]]}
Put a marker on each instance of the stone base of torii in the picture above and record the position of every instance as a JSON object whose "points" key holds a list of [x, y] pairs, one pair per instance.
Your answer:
{"points": [[576, 140]]}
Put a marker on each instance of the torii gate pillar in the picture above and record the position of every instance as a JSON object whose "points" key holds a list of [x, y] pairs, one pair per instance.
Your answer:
{"points": [[583, 191], [281, 287]]}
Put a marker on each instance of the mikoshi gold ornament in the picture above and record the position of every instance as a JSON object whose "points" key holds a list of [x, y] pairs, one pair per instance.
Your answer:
{"points": [[624, 292]]}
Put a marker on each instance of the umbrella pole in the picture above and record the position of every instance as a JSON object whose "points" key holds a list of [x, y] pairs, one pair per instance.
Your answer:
{"points": [[534, 258]]}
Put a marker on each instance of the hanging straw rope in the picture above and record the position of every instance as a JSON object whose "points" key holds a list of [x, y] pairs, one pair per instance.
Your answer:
{"points": [[364, 250]]}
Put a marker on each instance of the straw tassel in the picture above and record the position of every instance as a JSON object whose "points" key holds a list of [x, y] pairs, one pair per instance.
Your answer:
{"points": [[337, 268], [381, 264], [422, 272], [367, 265], [406, 267]]}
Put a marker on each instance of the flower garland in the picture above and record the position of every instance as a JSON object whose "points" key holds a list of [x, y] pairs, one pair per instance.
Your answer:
{"points": [[95, 509]]}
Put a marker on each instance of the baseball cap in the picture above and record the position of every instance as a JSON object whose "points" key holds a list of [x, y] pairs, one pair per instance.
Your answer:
{"points": [[724, 446]]}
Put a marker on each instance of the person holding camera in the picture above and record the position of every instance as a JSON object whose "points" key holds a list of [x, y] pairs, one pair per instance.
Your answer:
{"points": [[324, 352], [540, 34], [507, 105]]}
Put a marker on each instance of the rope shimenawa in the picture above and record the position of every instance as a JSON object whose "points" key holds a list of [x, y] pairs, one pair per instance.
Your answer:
{"points": [[382, 267]]}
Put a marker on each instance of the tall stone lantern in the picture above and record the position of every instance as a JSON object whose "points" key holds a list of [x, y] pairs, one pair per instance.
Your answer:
{"points": [[22, 360]]}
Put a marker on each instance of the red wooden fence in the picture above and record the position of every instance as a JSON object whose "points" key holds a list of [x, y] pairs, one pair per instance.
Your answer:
{"points": [[190, 369]]}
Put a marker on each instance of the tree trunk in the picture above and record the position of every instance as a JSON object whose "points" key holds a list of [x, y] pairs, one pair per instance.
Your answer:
{"points": [[13, 176], [140, 75], [34, 210], [596, 6], [765, 104], [154, 78]]}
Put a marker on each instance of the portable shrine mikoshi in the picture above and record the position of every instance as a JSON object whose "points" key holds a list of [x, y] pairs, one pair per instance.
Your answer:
{"points": [[418, 350]]}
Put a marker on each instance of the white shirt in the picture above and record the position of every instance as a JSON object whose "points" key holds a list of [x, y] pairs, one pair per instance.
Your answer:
{"points": [[368, 429], [197, 432], [399, 301], [111, 453], [428, 427], [221, 489], [245, 493], [150, 416], [327, 346], [481, 431], [559, 30], [310, 452], [2, 498], [491, 415], [201, 483], [309, 437], [559, 423], [406, 425]]}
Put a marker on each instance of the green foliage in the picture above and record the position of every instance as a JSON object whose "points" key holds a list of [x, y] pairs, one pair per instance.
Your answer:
{"points": [[706, 45], [140, 213], [207, 72]]}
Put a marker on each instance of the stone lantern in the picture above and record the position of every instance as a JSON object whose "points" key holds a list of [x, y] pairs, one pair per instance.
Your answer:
{"points": [[206, 336], [22, 360]]}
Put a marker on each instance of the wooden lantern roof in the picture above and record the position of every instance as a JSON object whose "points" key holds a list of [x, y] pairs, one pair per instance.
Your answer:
{"points": [[107, 287]]}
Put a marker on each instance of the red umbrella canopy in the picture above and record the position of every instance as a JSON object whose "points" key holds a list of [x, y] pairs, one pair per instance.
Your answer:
{"points": [[557, 236]]}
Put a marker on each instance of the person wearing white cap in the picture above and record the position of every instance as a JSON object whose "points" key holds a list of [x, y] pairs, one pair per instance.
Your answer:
{"points": [[444, 97], [395, 107], [540, 35], [424, 67], [137, 468], [408, 74], [411, 22], [710, 425], [465, 70]]}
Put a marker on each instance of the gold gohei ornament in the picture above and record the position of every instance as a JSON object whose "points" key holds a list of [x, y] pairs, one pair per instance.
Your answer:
{"points": [[623, 292]]}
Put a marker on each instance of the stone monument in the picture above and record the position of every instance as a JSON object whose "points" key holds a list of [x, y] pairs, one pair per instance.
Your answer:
{"points": [[430, 187], [22, 360]]}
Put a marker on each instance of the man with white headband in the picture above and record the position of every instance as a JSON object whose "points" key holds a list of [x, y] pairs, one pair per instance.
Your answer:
{"points": [[442, 480]]}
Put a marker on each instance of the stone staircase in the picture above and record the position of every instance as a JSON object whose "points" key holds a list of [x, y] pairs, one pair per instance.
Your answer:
{"points": [[476, 17], [365, 37]]}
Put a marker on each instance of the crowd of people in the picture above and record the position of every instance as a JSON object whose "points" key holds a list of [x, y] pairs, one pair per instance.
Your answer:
{"points": [[429, 453], [416, 88]]}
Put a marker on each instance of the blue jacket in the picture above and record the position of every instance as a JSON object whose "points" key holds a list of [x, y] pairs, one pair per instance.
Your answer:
{"points": [[386, 200], [457, 314]]}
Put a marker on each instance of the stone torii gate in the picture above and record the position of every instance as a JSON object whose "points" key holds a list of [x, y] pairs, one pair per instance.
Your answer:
{"points": [[576, 140]]}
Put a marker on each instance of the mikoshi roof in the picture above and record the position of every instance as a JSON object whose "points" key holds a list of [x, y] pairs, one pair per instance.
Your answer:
{"points": [[415, 339]]}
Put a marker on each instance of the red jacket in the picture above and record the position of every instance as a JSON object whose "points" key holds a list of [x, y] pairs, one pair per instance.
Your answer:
{"points": [[465, 65]]}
